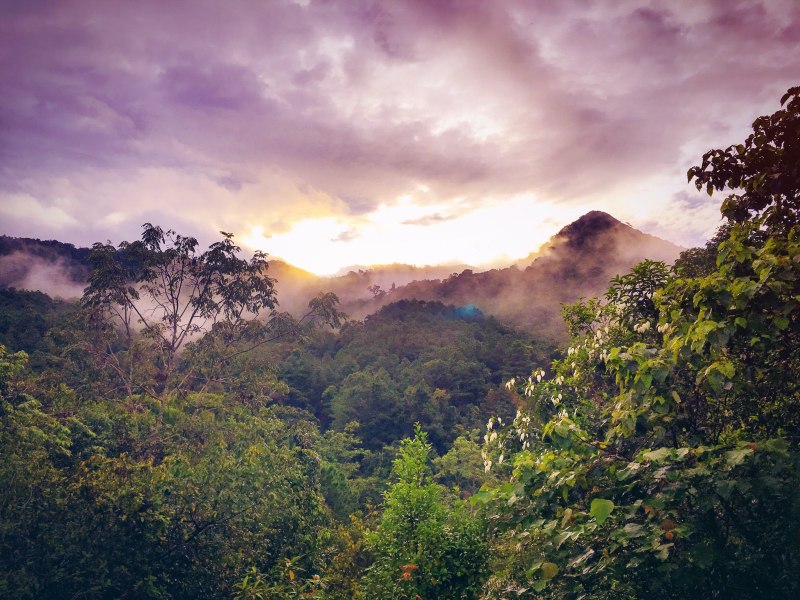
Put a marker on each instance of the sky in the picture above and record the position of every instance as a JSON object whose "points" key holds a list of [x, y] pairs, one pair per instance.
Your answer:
{"points": [[332, 133]]}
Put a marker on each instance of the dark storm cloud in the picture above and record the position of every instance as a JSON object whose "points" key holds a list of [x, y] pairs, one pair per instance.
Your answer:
{"points": [[228, 111]]}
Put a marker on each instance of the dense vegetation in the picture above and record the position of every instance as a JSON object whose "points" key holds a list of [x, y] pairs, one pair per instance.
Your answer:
{"points": [[165, 438]]}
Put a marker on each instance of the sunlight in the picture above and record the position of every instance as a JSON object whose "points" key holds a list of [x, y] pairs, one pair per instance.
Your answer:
{"points": [[418, 234]]}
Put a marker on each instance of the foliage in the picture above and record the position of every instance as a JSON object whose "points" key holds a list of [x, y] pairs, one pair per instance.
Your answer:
{"points": [[660, 459], [411, 362], [163, 285], [151, 298], [423, 547], [699, 262], [26, 317], [763, 173], [167, 499], [342, 479], [287, 584], [461, 468]]}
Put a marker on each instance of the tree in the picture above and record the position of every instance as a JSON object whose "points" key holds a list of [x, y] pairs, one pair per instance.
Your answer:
{"points": [[369, 397], [162, 285], [762, 174], [180, 498], [424, 547], [162, 294], [661, 458]]}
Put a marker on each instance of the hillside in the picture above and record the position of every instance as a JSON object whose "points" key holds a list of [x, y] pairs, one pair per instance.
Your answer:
{"points": [[356, 288], [579, 261], [49, 266]]}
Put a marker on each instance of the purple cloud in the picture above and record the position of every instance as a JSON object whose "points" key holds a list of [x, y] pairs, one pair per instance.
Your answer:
{"points": [[269, 112]]}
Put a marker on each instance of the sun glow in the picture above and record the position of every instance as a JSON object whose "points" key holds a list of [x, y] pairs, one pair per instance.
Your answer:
{"points": [[419, 234]]}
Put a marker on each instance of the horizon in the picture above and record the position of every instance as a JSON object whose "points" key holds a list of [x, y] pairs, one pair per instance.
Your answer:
{"points": [[355, 267], [338, 134]]}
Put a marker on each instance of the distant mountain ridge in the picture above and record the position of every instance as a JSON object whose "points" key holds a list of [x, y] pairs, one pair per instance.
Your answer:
{"points": [[579, 261]]}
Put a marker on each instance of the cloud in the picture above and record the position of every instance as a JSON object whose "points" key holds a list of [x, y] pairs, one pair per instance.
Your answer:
{"points": [[22, 208], [346, 236], [281, 111], [429, 220]]}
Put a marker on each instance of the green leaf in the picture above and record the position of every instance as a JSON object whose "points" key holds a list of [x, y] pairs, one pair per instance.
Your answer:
{"points": [[646, 379], [776, 445], [656, 456], [549, 570], [533, 568], [781, 323], [481, 497], [601, 509], [736, 457]]}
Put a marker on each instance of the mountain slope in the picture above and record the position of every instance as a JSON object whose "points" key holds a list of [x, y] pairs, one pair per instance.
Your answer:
{"points": [[52, 267], [579, 261]]}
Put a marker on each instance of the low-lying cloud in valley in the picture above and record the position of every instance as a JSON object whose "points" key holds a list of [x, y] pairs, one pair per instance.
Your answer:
{"points": [[56, 278]]}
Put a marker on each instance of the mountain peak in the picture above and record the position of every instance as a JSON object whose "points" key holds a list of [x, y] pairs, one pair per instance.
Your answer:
{"points": [[588, 226]]}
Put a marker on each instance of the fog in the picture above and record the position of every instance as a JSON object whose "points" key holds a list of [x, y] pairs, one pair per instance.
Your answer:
{"points": [[579, 261], [55, 277]]}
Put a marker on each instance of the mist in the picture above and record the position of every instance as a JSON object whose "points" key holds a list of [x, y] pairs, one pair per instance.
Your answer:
{"points": [[578, 262], [54, 277]]}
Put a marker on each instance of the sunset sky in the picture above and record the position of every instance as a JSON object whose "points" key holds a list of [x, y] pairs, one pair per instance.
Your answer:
{"points": [[334, 133]]}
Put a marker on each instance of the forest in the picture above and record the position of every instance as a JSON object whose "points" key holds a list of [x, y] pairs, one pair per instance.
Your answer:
{"points": [[174, 435]]}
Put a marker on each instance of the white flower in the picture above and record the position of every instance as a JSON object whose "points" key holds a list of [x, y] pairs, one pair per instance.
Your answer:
{"points": [[488, 466]]}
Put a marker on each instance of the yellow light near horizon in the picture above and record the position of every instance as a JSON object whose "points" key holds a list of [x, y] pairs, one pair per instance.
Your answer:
{"points": [[305, 245], [491, 235]]}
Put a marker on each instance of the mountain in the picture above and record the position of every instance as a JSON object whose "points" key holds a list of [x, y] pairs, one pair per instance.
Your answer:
{"points": [[359, 288], [579, 261], [53, 267], [599, 234]]}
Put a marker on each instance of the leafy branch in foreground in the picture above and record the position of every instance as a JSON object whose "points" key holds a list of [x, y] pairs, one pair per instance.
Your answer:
{"points": [[661, 458]]}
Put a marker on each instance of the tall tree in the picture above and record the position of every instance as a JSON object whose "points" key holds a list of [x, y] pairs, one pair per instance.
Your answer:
{"points": [[161, 293]]}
